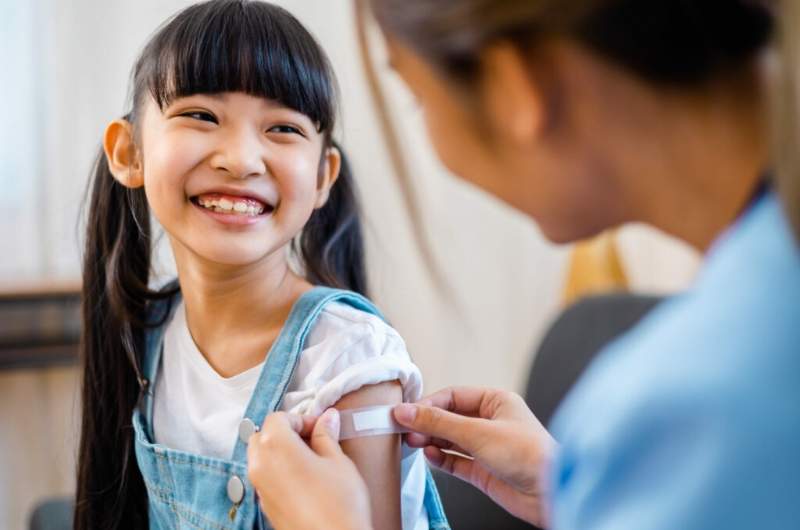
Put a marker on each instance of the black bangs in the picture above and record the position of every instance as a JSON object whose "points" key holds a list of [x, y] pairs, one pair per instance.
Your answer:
{"points": [[238, 46]]}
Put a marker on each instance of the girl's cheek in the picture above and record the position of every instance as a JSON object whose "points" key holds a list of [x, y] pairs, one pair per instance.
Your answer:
{"points": [[297, 177], [169, 166]]}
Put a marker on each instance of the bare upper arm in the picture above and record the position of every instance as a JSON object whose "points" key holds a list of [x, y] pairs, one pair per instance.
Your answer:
{"points": [[377, 457]]}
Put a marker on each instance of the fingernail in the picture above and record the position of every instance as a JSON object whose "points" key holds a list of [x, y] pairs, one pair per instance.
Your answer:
{"points": [[332, 421], [405, 413]]}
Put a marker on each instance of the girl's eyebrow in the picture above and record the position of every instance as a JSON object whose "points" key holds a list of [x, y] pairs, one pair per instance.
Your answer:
{"points": [[268, 104], [220, 96], [273, 105], [177, 100]]}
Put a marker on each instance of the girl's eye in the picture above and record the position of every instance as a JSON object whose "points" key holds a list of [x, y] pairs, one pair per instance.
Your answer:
{"points": [[285, 129], [200, 115]]}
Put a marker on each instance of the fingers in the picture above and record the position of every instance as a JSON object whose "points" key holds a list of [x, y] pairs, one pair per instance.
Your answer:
{"points": [[528, 507], [462, 467], [462, 400], [325, 435], [303, 425], [280, 421], [295, 422], [278, 442], [306, 425], [432, 423], [459, 466], [419, 441], [486, 403]]}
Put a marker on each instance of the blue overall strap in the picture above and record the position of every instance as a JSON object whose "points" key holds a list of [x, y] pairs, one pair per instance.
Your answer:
{"points": [[159, 314], [284, 354]]}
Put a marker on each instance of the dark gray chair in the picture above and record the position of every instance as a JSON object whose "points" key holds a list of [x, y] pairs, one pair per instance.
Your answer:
{"points": [[52, 514], [568, 347]]}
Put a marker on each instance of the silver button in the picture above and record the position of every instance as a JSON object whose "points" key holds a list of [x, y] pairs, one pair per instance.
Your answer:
{"points": [[247, 429], [235, 489]]}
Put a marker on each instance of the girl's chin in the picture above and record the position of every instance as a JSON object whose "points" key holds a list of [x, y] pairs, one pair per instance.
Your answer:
{"points": [[233, 255]]}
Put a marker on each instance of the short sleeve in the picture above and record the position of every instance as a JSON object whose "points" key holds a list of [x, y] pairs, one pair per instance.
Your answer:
{"points": [[348, 349]]}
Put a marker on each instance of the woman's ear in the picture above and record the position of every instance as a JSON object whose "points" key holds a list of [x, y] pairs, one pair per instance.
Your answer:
{"points": [[123, 161], [329, 173], [513, 95]]}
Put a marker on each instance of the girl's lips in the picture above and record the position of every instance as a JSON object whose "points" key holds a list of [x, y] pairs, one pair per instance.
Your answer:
{"points": [[233, 219], [207, 198], [232, 210]]}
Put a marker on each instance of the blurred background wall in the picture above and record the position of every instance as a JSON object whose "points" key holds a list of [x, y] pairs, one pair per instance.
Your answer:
{"points": [[65, 67]]}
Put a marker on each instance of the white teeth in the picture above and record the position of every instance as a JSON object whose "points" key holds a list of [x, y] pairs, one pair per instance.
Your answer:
{"points": [[228, 206]]}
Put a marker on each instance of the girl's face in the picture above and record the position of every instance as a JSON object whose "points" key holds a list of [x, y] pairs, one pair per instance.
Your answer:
{"points": [[232, 177]]}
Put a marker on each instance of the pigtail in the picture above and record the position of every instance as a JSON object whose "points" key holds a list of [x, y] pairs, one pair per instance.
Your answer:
{"points": [[331, 245], [116, 265]]}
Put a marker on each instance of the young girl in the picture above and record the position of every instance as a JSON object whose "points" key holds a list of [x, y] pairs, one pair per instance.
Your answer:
{"points": [[228, 144]]}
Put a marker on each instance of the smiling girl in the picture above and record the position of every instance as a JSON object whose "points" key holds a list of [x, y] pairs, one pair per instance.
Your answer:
{"points": [[228, 145]]}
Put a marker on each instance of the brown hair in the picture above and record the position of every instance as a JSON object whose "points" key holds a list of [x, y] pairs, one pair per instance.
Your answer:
{"points": [[787, 114], [664, 41], [679, 43]]}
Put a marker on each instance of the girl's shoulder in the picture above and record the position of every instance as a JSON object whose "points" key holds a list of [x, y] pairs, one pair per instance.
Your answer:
{"points": [[342, 316], [346, 349], [342, 324]]}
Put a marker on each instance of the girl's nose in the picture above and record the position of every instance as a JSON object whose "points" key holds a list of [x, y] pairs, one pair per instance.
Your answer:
{"points": [[240, 155]]}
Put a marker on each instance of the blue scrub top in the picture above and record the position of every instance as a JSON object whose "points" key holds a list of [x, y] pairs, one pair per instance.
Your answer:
{"points": [[692, 420]]}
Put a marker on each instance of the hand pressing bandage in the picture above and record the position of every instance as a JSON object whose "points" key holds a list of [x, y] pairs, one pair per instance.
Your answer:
{"points": [[368, 421]]}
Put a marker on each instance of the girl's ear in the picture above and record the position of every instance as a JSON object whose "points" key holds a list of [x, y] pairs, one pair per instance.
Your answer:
{"points": [[329, 173], [120, 150]]}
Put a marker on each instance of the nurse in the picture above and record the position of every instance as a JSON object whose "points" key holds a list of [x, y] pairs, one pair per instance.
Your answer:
{"points": [[585, 115]]}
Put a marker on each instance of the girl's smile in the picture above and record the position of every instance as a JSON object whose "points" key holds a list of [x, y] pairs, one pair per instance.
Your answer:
{"points": [[232, 208]]}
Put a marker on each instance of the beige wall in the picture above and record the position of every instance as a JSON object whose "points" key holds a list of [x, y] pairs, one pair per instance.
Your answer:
{"points": [[507, 279]]}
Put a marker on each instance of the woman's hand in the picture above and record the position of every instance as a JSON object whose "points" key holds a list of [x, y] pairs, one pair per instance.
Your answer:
{"points": [[507, 448], [306, 486]]}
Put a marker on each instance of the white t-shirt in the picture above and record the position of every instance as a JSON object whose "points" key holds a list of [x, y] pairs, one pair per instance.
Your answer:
{"points": [[198, 411]]}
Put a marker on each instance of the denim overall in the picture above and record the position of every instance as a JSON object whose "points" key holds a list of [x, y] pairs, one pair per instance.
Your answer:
{"points": [[198, 492]]}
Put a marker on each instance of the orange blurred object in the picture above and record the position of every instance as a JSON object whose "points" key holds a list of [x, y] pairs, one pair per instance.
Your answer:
{"points": [[595, 267]]}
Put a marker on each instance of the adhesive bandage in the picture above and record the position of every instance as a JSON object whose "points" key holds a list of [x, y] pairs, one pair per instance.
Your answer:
{"points": [[368, 421]]}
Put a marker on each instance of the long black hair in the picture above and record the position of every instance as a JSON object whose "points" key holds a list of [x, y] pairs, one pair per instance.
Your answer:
{"points": [[211, 47]]}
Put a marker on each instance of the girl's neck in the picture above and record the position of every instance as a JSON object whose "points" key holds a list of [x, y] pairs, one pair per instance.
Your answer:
{"points": [[234, 314]]}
